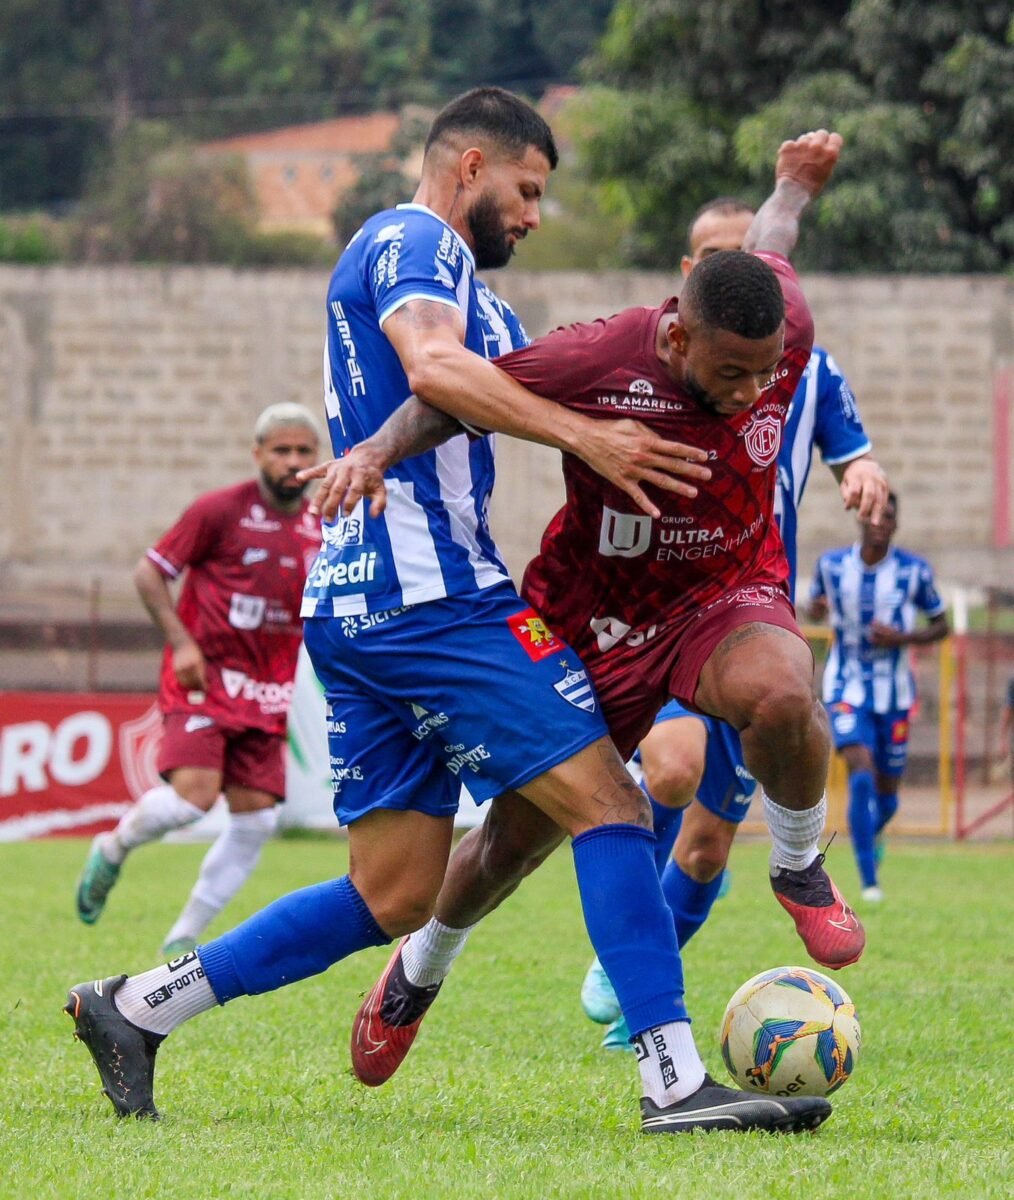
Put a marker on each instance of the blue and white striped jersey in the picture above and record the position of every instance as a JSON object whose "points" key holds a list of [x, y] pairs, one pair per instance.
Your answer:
{"points": [[824, 414], [433, 539], [889, 592]]}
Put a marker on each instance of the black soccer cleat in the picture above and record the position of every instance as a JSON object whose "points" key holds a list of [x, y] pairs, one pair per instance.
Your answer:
{"points": [[123, 1053], [715, 1107]]}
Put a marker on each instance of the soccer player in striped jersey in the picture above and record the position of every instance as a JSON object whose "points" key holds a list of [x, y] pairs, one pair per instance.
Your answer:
{"points": [[871, 591], [434, 670]]}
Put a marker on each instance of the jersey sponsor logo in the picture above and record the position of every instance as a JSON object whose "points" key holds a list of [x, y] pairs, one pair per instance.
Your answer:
{"points": [[444, 277], [638, 403], [449, 250], [537, 639], [459, 758], [357, 383], [390, 233], [762, 438], [386, 270], [364, 573], [270, 696], [777, 377], [427, 721], [576, 689], [610, 631], [194, 723], [345, 531], [259, 521], [246, 612], [623, 535], [255, 554], [352, 626], [641, 387]]}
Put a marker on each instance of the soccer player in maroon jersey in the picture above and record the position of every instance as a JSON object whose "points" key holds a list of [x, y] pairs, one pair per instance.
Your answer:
{"points": [[227, 671], [691, 603]]}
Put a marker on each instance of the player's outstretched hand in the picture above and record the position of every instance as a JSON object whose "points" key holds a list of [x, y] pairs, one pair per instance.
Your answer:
{"points": [[809, 160], [346, 481], [628, 454], [864, 487]]}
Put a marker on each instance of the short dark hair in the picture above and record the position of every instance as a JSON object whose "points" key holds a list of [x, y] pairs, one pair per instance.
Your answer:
{"points": [[728, 206], [737, 292], [500, 117]]}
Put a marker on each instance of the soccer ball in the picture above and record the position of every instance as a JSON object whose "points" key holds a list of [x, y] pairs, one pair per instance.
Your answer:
{"points": [[790, 1032]]}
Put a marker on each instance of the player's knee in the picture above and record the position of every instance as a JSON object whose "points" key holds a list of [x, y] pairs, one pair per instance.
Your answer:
{"points": [[673, 780], [405, 911], [702, 858], [788, 715]]}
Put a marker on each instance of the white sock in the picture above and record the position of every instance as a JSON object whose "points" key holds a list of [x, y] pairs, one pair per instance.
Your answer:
{"points": [[794, 835], [226, 867], [161, 999], [159, 811], [671, 1069], [430, 952]]}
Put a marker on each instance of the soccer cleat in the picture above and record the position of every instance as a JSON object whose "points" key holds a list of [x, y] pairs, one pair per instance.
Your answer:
{"points": [[715, 1107], [178, 947], [96, 882], [878, 849], [123, 1054], [872, 894], [832, 933], [725, 887], [387, 1021], [598, 999], [618, 1036]]}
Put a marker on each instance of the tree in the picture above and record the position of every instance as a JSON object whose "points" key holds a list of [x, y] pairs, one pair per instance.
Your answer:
{"points": [[698, 97]]}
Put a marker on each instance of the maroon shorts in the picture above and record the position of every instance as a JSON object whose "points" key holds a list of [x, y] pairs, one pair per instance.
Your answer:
{"points": [[633, 682], [249, 758]]}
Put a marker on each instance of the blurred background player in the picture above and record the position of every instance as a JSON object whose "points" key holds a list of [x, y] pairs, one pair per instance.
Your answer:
{"points": [[227, 671], [871, 591], [692, 766]]}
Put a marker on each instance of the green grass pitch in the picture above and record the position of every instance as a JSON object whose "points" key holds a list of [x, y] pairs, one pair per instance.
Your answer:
{"points": [[506, 1093]]}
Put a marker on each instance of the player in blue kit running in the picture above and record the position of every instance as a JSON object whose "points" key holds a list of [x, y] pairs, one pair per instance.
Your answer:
{"points": [[871, 591], [690, 763], [434, 670]]}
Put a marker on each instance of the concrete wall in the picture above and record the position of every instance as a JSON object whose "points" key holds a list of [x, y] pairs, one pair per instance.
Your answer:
{"points": [[125, 391]]}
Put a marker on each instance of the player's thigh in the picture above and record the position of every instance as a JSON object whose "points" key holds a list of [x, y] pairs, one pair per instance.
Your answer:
{"points": [[673, 755], [755, 665], [254, 771], [589, 789], [191, 757], [890, 755]]}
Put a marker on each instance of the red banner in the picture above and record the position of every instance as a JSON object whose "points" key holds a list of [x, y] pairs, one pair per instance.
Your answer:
{"points": [[73, 763]]}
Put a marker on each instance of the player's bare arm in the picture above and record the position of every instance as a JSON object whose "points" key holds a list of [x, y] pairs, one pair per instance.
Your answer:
{"points": [[412, 429], [889, 638], [188, 661], [443, 373], [803, 167], [863, 485]]}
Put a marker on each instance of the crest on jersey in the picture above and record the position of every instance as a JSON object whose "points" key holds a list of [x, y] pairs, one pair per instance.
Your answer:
{"points": [[623, 535], [754, 595], [534, 634], [762, 438], [576, 689]]}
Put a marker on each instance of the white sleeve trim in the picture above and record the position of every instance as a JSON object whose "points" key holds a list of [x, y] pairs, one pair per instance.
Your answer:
{"points": [[450, 301], [164, 565], [852, 454]]}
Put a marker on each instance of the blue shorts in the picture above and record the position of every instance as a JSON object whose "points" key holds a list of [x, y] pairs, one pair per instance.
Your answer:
{"points": [[471, 690], [885, 735], [727, 787]]}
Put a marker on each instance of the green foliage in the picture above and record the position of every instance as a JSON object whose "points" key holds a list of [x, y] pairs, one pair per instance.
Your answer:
{"points": [[36, 240], [506, 1093], [702, 95]]}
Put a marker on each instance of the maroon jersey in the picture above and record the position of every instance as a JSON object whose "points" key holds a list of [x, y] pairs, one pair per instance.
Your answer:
{"points": [[608, 574], [246, 565]]}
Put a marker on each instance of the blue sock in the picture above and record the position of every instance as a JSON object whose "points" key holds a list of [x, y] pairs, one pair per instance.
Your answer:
{"points": [[887, 806], [861, 824], [689, 900], [667, 822], [629, 924], [297, 936]]}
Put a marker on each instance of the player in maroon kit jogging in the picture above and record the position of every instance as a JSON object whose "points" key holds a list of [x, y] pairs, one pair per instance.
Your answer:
{"points": [[227, 672], [691, 604]]}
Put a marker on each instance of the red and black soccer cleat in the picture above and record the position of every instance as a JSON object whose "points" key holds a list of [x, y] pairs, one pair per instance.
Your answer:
{"points": [[832, 933]]}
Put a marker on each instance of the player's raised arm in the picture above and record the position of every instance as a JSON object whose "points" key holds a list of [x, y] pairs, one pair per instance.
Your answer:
{"points": [[803, 167], [441, 371]]}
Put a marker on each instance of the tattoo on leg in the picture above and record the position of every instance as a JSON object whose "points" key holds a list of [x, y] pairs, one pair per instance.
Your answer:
{"points": [[620, 800], [747, 633]]}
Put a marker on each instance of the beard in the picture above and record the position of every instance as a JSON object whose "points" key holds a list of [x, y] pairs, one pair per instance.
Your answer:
{"points": [[491, 237], [699, 393], [285, 490]]}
